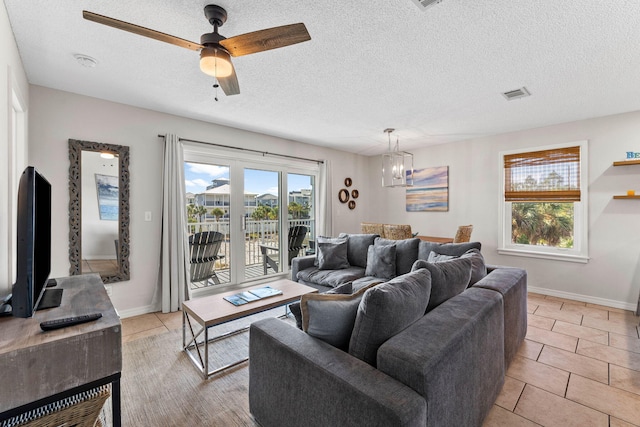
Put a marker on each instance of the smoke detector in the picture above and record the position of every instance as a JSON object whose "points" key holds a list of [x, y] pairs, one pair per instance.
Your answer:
{"points": [[424, 4]]}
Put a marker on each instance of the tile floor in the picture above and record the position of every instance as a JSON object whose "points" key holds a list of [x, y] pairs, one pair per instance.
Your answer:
{"points": [[579, 365]]}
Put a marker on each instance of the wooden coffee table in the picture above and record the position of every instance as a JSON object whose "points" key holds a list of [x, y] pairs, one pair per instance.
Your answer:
{"points": [[200, 314]]}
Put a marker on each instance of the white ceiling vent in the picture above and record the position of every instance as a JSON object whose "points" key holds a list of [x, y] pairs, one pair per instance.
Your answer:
{"points": [[424, 4], [517, 93]]}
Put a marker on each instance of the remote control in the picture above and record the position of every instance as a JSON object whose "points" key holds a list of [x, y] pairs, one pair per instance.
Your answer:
{"points": [[68, 321]]}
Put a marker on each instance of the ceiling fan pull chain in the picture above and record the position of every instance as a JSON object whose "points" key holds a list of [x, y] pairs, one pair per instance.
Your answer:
{"points": [[216, 86]]}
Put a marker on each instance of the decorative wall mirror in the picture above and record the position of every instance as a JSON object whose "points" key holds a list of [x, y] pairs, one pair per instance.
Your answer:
{"points": [[99, 210]]}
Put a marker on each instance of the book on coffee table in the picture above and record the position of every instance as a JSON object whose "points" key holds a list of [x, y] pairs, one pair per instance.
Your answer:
{"points": [[252, 295], [265, 292], [236, 299]]}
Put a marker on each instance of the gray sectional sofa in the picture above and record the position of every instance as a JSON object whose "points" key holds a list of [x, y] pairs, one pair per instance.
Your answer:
{"points": [[400, 366]]}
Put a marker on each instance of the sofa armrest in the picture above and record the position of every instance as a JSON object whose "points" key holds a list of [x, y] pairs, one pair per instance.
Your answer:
{"points": [[511, 283], [295, 379], [301, 263], [452, 356]]}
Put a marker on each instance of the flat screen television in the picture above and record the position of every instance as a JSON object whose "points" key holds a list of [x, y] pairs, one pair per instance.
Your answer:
{"points": [[33, 242]]}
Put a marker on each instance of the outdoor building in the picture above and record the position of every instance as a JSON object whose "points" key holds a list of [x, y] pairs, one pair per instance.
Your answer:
{"points": [[218, 197]]}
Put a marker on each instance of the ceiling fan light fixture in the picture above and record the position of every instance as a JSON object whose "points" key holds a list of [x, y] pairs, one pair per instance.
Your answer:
{"points": [[215, 62]]}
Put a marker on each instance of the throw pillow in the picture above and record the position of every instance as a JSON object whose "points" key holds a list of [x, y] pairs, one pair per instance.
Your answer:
{"points": [[330, 317], [332, 253], [448, 278], [455, 249], [357, 245], [344, 289], [478, 266], [386, 310], [436, 257], [406, 253], [381, 261]]}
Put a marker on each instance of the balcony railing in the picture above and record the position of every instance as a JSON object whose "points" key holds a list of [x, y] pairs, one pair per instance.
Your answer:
{"points": [[263, 232]]}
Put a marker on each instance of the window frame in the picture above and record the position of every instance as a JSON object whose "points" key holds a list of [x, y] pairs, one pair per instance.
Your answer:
{"points": [[580, 251]]}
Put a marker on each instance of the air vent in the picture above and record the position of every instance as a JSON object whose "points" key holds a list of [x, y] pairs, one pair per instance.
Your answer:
{"points": [[517, 93], [424, 4]]}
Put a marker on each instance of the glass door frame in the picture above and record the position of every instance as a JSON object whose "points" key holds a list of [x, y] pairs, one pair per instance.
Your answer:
{"points": [[238, 161]]}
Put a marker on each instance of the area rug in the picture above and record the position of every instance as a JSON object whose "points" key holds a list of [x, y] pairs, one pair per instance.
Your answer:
{"points": [[161, 387]]}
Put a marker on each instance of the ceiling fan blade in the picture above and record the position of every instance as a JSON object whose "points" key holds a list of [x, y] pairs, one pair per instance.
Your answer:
{"points": [[142, 31], [229, 84], [271, 38]]}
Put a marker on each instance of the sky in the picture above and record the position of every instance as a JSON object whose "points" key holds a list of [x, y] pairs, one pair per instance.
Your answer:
{"points": [[199, 175]]}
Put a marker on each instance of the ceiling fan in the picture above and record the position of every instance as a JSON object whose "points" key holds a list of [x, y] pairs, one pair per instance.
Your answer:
{"points": [[215, 49]]}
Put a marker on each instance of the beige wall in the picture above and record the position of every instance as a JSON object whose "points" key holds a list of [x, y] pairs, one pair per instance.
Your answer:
{"points": [[612, 275], [13, 81], [56, 116]]}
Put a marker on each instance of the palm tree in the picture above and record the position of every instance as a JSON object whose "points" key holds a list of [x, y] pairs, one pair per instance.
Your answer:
{"points": [[191, 212], [295, 209], [261, 212], [217, 212], [200, 211], [545, 223]]}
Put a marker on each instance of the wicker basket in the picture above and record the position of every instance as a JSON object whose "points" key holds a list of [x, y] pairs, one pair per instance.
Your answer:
{"points": [[81, 410]]}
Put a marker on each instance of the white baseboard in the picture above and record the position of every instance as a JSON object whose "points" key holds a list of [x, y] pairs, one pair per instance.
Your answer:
{"points": [[137, 311], [583, 298]]}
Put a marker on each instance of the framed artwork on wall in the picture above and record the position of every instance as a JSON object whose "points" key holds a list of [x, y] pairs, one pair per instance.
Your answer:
{"points": [[108, 197], [430, 191]]}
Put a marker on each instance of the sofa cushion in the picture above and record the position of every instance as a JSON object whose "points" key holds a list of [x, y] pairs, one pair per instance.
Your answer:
{"points": [[332, 253], [330, 317], [357, 245], [455, 249], [344, 289], [478, 266], [448, 278], [406, 253], [330, 278], [381, 261], [387, 309]]}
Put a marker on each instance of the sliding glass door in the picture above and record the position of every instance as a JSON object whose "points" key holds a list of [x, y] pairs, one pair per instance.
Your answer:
{"points": [[247, 217]]}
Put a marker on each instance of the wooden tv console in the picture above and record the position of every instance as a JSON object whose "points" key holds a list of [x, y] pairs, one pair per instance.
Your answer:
{"points": [[38, 368]]}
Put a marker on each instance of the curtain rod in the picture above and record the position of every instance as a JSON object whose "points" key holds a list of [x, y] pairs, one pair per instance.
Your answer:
{"points": [[264, 153]]}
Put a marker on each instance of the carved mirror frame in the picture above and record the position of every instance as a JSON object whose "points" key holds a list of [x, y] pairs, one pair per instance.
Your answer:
{"points": [[75, 206]]}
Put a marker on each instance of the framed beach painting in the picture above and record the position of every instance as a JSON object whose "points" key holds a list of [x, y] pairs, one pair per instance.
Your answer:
{"points": [[430, 191], [108, 197]]}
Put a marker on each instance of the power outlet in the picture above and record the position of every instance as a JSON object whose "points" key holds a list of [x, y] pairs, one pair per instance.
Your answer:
{"points": [[147, 216], [109, 289]]}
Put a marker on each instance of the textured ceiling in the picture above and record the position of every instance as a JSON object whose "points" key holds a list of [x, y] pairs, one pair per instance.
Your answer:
{"points": [[435, 76]]}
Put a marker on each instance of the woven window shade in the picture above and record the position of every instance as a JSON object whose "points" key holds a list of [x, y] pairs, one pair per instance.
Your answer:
{"points": [[543, 176]]}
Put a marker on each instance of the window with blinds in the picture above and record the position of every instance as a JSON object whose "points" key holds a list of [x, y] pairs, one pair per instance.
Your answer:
{"points": [[543, 176], [544, 206]]}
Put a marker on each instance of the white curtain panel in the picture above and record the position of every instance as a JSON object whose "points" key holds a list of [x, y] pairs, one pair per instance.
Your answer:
{"points": [[325, 224], [175, 245]]}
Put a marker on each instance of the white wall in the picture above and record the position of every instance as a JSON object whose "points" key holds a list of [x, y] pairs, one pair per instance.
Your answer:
{"points": [[56, 116], [612, 276], [13, 81]]}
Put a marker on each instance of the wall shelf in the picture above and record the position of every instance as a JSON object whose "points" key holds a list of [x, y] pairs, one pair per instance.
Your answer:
{"points": [[626, 162]]}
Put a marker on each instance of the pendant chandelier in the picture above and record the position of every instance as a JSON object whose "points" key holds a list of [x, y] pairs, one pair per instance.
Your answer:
{"points": [[397, 166]]}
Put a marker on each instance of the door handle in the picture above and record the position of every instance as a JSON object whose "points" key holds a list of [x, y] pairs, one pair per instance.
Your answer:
{"points": [[244, 223]]}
